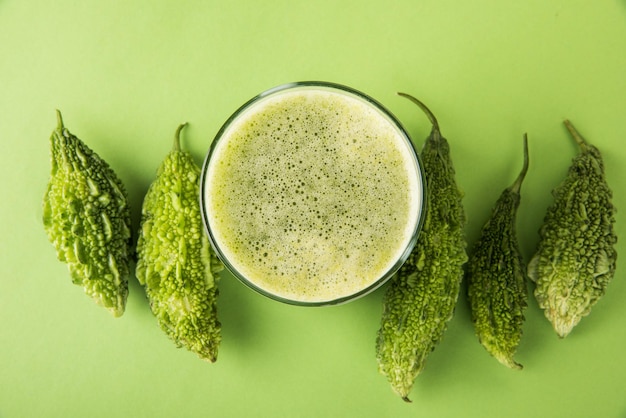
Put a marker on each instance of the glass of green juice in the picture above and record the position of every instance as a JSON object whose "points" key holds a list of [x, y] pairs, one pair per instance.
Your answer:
{"points": [[312, 194]]}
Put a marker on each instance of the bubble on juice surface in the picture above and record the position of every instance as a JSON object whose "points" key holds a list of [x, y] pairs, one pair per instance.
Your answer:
{"points": [[312, 195]]}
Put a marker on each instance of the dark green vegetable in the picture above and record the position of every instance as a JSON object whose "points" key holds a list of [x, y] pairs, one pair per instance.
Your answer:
{"points": [[496, 277], [421, 297], [87, 218], [175, 261], [575, 258]]}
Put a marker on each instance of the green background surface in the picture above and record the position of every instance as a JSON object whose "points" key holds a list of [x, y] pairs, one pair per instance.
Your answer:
{"points": [[125, 74]]}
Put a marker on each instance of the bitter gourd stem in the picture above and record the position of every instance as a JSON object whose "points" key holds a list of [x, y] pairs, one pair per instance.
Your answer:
{"points": [[429, 114], [177, 136], [517, 185], [577, 137]]}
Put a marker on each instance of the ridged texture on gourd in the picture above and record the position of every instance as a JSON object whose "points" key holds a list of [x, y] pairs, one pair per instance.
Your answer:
{"points": [[420, 299], [496, 277], [175, 262], [87, 218], [575, 259]]}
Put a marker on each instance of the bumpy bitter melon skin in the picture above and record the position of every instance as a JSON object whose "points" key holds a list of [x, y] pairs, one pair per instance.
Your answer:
{"points": [[87, 218], [420, 299], [576, 258], [496, 277], [176, 264]]}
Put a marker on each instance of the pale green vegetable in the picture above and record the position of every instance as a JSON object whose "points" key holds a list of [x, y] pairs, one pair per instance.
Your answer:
{"points": [[175, 261], [87, 218], [421, 297], [575, 258], [496, 277]]}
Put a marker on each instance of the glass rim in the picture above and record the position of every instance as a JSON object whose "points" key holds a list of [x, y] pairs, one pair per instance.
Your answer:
{"points": [[399, 261]]}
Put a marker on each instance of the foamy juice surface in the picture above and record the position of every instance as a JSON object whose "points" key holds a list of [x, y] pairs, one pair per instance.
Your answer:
{"points": [[312, 195]]}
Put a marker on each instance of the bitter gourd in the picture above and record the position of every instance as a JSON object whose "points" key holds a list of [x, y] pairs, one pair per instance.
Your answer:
{"points": [[496, 277], [576, 258], [420, 299], [87, 218], [175, 262]]}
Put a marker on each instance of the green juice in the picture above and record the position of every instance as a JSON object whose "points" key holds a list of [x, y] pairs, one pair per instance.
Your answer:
{"points": [[312, 194]]}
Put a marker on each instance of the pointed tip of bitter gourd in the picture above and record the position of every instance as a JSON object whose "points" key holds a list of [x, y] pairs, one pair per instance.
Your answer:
{"points": [[508, 361], [403, 392], [563, 328], [117, 311]]}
